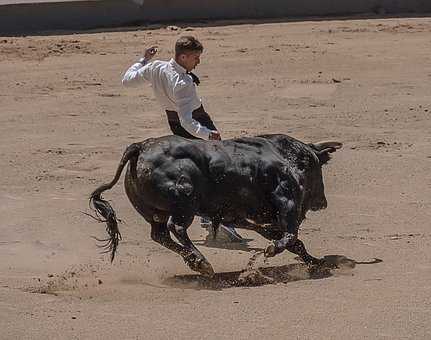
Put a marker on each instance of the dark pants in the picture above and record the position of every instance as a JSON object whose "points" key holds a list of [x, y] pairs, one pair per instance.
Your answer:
{"points": [[199, 114]]}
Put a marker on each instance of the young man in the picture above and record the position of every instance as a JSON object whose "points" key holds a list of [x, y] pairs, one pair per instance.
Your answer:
{"points": [[174, 87]]}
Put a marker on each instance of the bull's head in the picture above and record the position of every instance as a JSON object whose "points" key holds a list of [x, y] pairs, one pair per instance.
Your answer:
{"points": [[322, 150]]}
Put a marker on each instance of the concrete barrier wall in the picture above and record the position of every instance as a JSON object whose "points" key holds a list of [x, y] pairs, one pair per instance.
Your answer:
{"points": [[228, 9], [76, 15]]}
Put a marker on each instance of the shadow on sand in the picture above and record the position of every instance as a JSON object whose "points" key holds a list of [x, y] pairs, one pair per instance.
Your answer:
{"points": [[266, 275]]}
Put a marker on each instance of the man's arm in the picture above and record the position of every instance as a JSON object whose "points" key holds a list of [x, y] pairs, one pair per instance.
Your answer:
{"points": [[139, 72], [185, 93], [193, 127]]}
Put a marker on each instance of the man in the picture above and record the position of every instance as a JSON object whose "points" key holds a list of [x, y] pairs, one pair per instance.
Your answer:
{"points": [[174, 87]]}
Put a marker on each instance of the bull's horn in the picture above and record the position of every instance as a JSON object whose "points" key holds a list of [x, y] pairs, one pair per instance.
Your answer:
{"points": [[330, 144]]}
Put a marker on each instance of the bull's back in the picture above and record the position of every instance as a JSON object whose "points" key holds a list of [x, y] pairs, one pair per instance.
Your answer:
{"points": [[235, 176]]}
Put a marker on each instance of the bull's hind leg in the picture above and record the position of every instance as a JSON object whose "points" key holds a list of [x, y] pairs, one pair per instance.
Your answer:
{"points": [[160, 234], [195, 260]]}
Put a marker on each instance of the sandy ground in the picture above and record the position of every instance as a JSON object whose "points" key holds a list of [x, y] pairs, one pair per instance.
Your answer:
{"points": [[65, 120]]}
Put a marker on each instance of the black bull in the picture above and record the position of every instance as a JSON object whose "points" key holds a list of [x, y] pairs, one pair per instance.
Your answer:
{"points": [[265, 183]]}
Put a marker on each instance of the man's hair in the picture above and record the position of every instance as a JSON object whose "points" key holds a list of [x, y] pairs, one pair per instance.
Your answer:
{"points": [[187, 44]]}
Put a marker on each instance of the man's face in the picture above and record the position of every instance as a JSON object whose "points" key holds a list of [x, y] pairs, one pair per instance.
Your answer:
{"points": [[190, 60]]}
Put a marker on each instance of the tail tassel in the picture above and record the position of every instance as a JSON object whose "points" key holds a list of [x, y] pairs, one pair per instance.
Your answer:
{"points": [[105, 214]]}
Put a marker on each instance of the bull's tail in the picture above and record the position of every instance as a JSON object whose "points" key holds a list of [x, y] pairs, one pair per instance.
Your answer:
{"points": [[104, 211]]}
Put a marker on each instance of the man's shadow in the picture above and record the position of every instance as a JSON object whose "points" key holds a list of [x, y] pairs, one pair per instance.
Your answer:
{"points": [[266, 275]]}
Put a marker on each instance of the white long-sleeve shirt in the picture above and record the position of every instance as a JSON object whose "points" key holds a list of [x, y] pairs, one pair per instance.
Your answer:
{"points": [[173, 88]]}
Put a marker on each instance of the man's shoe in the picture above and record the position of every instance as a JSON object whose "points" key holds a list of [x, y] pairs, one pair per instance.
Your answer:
{"points": [[224, 234], [228, 232]]}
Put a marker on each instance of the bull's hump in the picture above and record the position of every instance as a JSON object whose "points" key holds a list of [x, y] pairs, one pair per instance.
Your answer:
{"points": [[247, 146]]}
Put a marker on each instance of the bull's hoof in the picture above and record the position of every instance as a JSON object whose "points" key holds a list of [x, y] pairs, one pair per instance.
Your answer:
{"points": [[201, 266], [206, 269], [271, 250]]}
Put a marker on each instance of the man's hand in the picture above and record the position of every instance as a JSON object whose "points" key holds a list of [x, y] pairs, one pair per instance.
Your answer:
{"points": [[214, 135], [150, 53]]}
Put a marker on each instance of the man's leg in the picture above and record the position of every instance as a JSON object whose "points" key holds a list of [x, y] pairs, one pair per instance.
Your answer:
{"points": [[204, 118], [224, 232]]}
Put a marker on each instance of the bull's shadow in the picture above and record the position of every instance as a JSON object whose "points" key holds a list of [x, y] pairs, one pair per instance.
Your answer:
{"points": [[266, 275]]}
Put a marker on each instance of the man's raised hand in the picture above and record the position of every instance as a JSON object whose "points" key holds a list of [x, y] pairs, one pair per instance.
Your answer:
{"points": [[150, 53]]}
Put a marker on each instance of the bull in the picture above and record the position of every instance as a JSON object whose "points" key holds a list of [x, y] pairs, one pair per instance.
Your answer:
{"points": [[265, 183]]}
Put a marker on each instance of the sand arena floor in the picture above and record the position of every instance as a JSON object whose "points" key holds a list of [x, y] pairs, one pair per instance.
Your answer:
{"points": [[65, 120]]}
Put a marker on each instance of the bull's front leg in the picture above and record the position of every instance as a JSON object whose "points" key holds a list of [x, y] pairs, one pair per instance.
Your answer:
{"points": [[299, 249], [285, 199], [291, 242], [288, 218], [286, 241]]}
